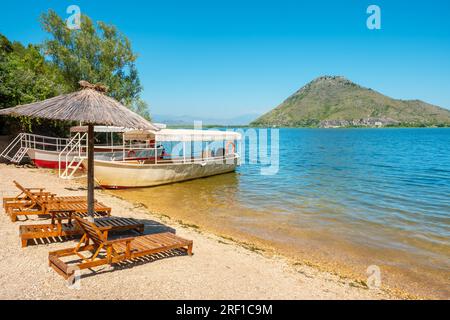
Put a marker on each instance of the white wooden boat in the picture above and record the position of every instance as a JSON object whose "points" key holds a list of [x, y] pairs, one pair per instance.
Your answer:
{"points": [[133, 174], [55, 152], [53, 159], [218, 155], [196, 154], [47, 159]]}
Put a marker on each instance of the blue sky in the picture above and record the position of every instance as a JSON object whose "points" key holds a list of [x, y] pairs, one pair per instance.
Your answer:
{"points": [[224, 58]]}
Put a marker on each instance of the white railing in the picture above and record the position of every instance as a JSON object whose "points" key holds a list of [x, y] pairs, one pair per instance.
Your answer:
{"points": [[198, 159], [18, 148], [6, 152], [34, 141], [72, 155]]}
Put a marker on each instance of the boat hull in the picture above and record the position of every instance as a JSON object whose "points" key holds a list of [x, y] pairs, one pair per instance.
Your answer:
{"points": [[50, 159], [120, 175], [47, 159]]}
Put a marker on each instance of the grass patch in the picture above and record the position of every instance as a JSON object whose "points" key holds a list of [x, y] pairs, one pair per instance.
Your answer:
{"points": [[137, 205], [245, 245], [359, 284], [305, 263], [188, 225]]}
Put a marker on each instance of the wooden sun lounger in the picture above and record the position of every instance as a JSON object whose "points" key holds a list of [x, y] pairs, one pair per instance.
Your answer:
{"points": [[104, 251], [61, 210], [26, 199], [43, 205], [22, 198], [68, 229]]}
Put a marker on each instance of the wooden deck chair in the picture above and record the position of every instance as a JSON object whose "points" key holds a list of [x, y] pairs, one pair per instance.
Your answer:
{"points": [[68, 229], [23, 200], [44, 205], [103, 251]]}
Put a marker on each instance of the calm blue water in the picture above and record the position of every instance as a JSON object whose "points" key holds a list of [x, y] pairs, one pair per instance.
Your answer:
{"points": [[349, 196], [395, 179]]}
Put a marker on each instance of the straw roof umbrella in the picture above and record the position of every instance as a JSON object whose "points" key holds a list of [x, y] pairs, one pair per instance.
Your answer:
{"points": [[90, 105]]}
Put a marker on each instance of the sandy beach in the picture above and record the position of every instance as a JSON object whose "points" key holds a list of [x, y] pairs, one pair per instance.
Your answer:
{"points": [[219, 268]]}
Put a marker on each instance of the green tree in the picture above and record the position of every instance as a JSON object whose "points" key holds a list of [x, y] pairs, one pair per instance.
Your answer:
{"points": [[25, 77], [97, 53]]}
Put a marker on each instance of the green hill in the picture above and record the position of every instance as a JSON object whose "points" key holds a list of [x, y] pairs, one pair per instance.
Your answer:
{"points": [[338, 102]]}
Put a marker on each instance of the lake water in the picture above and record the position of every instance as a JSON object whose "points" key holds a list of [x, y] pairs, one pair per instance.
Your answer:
{"points": [[343, 199]]}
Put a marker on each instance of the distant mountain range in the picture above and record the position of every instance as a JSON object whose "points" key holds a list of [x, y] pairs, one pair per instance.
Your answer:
{"points": [[189, 120], [337, 102]]}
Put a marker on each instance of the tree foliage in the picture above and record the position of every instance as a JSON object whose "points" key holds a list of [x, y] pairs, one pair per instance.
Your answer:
{"points": [[25, 77], [97, 53]]}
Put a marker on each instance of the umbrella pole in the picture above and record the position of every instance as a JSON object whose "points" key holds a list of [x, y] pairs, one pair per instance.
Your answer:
{"points": [[90, 173]]}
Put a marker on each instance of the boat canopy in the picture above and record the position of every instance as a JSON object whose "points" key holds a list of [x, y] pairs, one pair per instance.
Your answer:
{"points": [[111, 128], [182, 135], [99, 129]]}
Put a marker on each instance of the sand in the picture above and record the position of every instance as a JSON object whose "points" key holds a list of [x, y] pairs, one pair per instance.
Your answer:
{"points": [[219, 268]]}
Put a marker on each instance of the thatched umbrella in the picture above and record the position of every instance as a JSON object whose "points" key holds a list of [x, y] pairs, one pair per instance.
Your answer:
{"points": [[91, 106]]}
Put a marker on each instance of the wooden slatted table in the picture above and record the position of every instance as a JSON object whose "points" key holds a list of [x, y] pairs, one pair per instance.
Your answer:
{"points": [[110, 224]]}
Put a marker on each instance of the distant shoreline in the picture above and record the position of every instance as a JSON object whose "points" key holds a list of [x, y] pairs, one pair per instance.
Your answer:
{"points": [[208, 126]]}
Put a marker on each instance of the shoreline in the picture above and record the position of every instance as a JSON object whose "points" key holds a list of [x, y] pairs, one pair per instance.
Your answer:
{"points": [[327, 250], [209, 126], [270, 250], [221, 268]]}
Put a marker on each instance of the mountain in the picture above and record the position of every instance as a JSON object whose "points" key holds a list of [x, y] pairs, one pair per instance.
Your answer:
{"points": [[241, 120], [337, 102]]}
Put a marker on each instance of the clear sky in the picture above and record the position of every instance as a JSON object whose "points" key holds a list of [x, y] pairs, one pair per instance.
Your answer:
{"points": [[224, 58]]}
